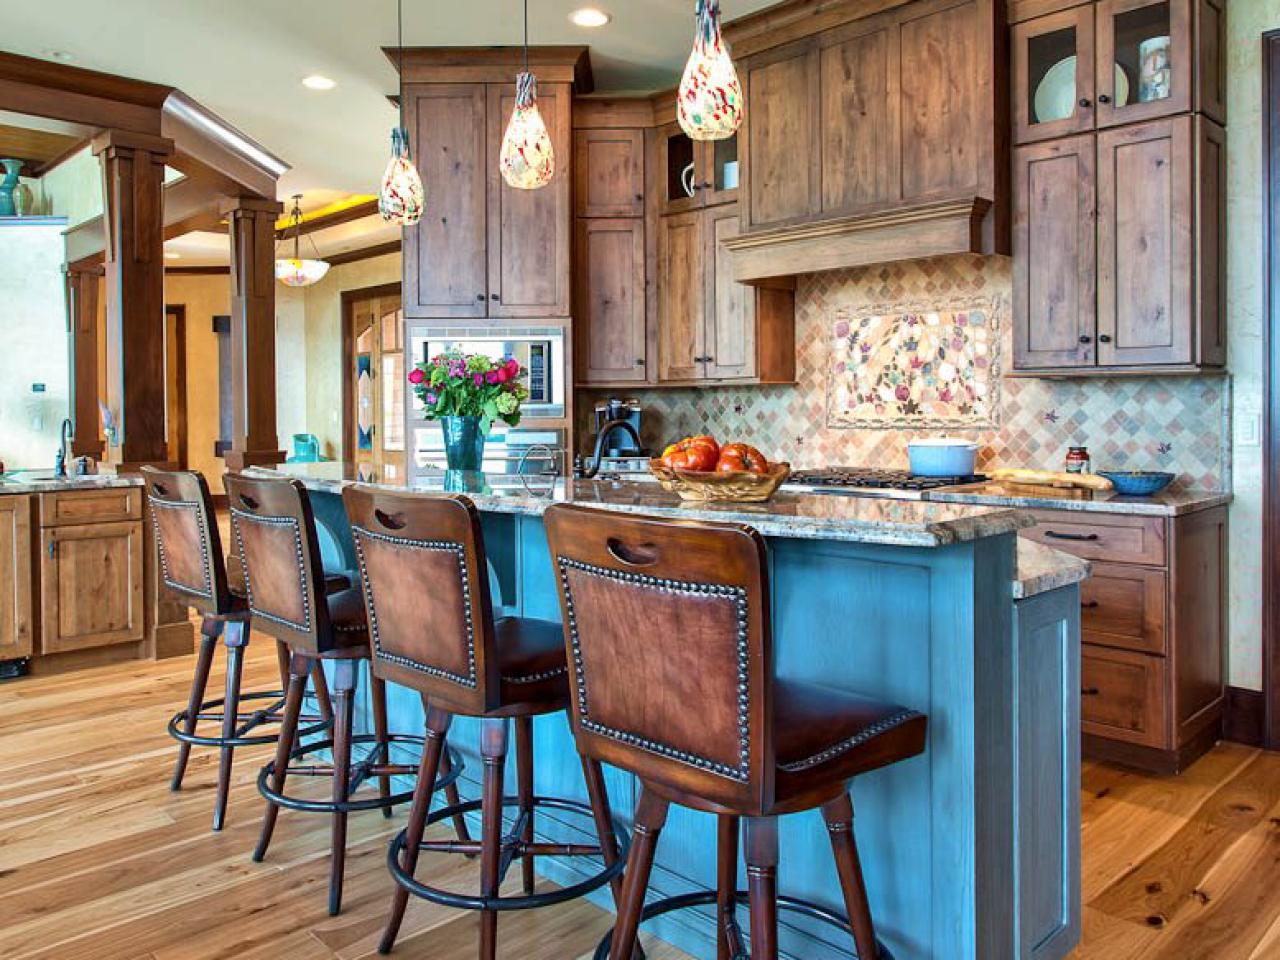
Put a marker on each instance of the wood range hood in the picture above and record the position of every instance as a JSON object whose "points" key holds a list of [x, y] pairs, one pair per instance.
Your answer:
{"points": [[875, 131]]}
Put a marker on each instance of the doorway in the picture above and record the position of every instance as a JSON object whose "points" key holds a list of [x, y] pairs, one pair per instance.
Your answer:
{"points": [[373, 434], [175, 384]]}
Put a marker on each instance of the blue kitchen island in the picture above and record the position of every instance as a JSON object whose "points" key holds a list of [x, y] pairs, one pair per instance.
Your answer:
{"points": [[971, 850]]}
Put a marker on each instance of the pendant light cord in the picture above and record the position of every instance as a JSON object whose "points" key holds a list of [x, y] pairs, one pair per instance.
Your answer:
{"points": [[400, 63], [526, 36]]}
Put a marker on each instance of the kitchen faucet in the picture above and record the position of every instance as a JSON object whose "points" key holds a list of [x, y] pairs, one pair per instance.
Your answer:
{"points": [[66, 435], [587, 472]]}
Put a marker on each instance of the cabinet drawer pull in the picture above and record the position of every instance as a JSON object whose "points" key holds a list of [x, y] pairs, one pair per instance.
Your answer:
{"points": [[1090, 605], [1084, 102], [480, 297], [1083, 537], [1104, 98], [1085, 338], [1104, 338], [1090, 692]]}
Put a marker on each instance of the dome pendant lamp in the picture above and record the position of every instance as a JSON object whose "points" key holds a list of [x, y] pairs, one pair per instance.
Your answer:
{"points": [[527, 160], [709, 103], [401, 198], [295, 271]]}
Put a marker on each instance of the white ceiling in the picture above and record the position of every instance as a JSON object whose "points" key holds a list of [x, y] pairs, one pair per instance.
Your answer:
{"points": [[244, 59]]}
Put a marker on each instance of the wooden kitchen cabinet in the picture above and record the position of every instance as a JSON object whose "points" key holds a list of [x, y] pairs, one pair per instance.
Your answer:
{"points": [[16, 630], [90, 586], [484, 249], [611, 316], [1153, 625], [681, 296], [693, 174], [729, 340], [608, 170]]}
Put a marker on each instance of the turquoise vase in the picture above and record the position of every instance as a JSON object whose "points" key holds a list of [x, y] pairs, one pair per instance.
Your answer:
{"points": [[463, 443], [7, 186]]}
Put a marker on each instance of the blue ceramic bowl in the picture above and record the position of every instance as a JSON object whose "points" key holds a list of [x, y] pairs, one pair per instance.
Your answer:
{"points": [[1137, 483]]}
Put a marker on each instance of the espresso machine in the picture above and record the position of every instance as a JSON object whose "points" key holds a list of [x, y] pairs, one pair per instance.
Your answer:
{"points": [[620, 451]]}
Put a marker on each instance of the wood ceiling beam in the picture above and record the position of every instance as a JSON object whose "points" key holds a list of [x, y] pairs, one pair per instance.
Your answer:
{"points": [[60, 92], [358, 211], [188, 206]]}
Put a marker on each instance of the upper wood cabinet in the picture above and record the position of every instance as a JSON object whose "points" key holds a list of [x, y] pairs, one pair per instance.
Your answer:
{"points": [[608, 169], [15, 578], [610, 314], [484, 249], [682, 296], [694, 174], [1117, 62]]}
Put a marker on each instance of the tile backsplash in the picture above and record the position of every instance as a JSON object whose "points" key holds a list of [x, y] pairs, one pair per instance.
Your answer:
{"points": [[1179, 424]]}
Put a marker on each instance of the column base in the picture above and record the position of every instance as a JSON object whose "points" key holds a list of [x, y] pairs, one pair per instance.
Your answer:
{"points": [[238, 460]]}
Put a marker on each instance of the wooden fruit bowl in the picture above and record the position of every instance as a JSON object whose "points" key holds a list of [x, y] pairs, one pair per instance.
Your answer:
{"points": [[709, 486]]}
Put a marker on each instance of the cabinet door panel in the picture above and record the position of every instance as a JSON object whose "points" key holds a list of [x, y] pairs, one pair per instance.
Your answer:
{"points": [[608, 167], [1145, 264], [529, 229], [1038, 46], [15, 577], [681, 296], [782, 168], [1125, 606], [944, 86], [731, 306], [860, 120], [445, 268], [1211, 58], [1123, 26], [1211, 241], [611, 300], [91, 580], [1122, 696], [1054, 254]]}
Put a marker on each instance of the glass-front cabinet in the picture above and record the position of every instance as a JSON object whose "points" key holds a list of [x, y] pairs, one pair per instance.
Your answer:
{"points": [[1116, 62], [695, 174]]}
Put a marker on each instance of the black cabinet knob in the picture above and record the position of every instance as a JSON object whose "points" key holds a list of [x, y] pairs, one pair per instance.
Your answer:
{"points": [[639, 361], [480, 297], [1085, 102], [1090, 692], [1104, 338], [494, 296], [1085, 338], [1103, 98]]}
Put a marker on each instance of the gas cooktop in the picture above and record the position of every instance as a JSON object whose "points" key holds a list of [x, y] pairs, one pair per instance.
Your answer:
{"points": [[866, 481]]}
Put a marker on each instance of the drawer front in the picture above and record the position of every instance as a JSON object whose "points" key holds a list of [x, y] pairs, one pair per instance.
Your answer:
{"points": [[1122, 696], [70, 507], [1102, 536], [1125, 606]]}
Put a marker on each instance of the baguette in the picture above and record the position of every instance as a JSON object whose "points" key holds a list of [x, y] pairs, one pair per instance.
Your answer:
{"points": [[1089, 481]]}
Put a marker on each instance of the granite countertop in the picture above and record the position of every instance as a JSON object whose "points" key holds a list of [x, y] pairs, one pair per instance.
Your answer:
{"points": [[799, 515], [1164, 504], [1041, 569], [43, 482]]}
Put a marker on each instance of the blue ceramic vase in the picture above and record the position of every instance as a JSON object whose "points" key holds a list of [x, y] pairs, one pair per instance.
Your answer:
{"points": [[7, 186], [463, 443]]}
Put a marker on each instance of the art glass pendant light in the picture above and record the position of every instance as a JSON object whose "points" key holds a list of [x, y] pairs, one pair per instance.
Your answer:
{"points": [[295, 271], [401, 198], [709, 103], [527, 160]]}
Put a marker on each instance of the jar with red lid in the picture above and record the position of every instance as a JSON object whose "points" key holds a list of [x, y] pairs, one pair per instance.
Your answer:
{"points": [[1078, 460]]}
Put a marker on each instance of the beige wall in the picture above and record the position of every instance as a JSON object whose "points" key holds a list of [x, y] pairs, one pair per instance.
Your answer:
{"points": [[33, 319]]}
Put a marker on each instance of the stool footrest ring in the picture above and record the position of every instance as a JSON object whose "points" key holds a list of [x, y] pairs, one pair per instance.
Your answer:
{"points": [[708, 898], [527, 902], [281, 799], [245, 721]]}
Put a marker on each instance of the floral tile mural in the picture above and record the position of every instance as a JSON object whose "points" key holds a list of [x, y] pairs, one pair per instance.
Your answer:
{"points": [[915, 366]]}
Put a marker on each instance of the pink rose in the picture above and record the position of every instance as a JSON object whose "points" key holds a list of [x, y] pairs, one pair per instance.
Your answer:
{"points": [[416, 376], [503, 374], [491, 378], [513, 367], [478, 379]]}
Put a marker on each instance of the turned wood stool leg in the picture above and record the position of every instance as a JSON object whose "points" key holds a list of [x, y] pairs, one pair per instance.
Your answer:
{"points": [[524, 776], [433, 760], [235, 638], [299, 667], [209, 631], [726, 883], [603, 814], [282, 663], [762, 884], [345, 678], [452, 799], [321, 685], [838, 814], [651, 816], [379, 696], [493, 750]]}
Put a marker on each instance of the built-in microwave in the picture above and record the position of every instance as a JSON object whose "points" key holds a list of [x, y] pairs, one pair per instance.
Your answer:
{"points": [[539, 350]]}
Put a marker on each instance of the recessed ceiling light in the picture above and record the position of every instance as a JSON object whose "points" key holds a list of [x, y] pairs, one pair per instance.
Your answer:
{"points": [[62, 56], [589, 17], [318, 82], [172, 256]]}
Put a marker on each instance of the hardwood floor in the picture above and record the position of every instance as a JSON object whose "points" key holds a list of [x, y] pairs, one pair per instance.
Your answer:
{"points": [[100, 861]]}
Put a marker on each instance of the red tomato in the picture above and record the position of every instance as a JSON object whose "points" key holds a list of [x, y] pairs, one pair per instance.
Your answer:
{"points": [[692, 453], [741, 458]]}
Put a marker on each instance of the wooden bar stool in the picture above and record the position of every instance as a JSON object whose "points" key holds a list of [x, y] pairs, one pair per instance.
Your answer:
{"points": [[699, 716], [275, 537], [423, 566], [190, 560]]}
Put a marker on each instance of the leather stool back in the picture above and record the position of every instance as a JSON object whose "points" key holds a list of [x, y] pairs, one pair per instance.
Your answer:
{"points": [[188, 544], [274, 534], [426, 584], [670, 650]]}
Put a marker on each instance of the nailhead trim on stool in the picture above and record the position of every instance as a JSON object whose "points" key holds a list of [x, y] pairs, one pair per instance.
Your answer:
{"points": [[236, 515], [207, 593], [844, 746], [404, 543], [739, 773]]}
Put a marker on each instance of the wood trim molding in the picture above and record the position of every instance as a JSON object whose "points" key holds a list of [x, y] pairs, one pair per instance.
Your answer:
{"points": [[1244, 716], [346, 215], [209, 271], [553, 64], [1271, 351], [785, 22], [352, 256], [897, 233]]}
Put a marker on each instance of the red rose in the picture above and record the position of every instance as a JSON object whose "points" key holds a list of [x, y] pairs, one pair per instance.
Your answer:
{"points": [[491, 378], [503, 375], [416, 376]]}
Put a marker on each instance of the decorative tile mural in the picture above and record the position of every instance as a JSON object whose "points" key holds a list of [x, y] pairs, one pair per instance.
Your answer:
{"points": [[1180, 424], [915, 366]]}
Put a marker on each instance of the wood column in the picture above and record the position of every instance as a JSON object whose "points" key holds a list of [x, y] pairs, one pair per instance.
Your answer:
{"points": [[82, 322], [133, 191], [254, 438]]}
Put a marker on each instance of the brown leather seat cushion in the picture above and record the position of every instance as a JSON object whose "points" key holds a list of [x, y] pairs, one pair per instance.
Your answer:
{"points": [[531, 660], [827, 735], [333, 582]]}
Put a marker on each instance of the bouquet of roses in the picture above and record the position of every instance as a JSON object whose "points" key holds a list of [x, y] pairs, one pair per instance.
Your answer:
{"points": [[470, 385]]}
